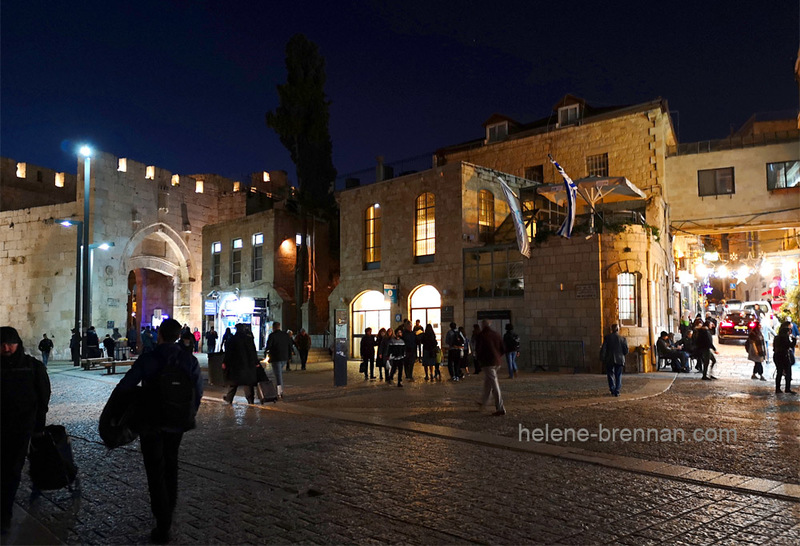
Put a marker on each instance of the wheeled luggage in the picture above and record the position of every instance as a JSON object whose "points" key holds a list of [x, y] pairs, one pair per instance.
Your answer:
{"points": [[51, 463], [267, 390]]}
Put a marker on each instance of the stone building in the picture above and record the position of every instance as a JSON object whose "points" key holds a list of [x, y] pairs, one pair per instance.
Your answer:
{"points": [[735, 207], [152, 217], [249, 271], [441, 240]]}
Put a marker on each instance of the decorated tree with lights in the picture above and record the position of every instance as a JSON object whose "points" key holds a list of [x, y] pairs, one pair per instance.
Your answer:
{"points": [[301, 122]]}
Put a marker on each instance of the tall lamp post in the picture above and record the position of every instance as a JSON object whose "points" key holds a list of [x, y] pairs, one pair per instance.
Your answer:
{"points": [[86, 315], [78, 262]]}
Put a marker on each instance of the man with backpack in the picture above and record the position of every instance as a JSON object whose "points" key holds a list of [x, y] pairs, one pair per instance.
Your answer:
{"points": [[172, 387]]}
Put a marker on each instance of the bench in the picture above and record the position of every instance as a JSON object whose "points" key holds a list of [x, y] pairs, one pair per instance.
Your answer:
{"points": [[94, 363], [111, 365]]}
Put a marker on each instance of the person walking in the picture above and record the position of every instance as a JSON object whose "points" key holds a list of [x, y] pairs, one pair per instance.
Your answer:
{"points": [[410, 340], [612, 354], [239, 364], [303, 343], [705, 347], [75, 347], [466, 354], [783, 356], [430, 347], [511, 344], [45, 346], [225, 337], [396, 353], [383, 351], [197, 335], [368, 355], [171, 414], [455, 348], [489, 352], [768, 333], [25, 393], [279, 349], [211, 340], [756, 352]]}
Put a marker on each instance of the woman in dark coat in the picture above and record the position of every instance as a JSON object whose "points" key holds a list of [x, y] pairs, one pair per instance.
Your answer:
{"points": [[380, 358], [240, 363], [429, 349], [783, 357], [756, 351]]}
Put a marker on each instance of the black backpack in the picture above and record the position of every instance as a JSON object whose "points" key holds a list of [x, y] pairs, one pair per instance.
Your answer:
{"points": [[172, 396]]}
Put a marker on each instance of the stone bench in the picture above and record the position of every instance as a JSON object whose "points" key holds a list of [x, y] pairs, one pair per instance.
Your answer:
{"points": [[111, 365], [94, 363]]}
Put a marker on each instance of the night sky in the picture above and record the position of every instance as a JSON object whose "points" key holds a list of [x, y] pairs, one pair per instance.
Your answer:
{"points": [[185, 85]]}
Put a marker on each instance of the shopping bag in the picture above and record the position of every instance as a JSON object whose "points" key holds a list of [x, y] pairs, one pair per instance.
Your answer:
{"points": [[51, 463]]}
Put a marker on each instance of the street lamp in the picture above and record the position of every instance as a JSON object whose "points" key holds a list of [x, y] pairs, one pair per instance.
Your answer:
{"points": [[88, 280], [78, 261], [86, 152]]}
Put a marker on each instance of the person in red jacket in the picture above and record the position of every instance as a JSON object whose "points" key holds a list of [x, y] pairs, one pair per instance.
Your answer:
{"points": [[489, 351]]}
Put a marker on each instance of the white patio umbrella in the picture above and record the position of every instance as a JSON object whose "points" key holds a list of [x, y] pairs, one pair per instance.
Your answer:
{"points": [[593, 190]]}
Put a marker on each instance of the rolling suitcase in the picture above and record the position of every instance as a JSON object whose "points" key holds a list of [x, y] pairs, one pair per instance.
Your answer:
{"points": [[267, 390], [51, 463]]}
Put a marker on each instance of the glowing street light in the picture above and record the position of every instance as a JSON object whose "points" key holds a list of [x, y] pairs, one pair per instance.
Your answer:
{"points": [[86, 152]]}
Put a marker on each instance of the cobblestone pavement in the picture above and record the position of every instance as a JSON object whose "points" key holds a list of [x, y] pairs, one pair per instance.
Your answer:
{"points": [[254, 475]]}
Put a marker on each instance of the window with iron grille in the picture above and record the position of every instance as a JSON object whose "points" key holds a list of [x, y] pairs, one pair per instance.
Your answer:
{"points": [[535, 173], [785, 174], [597, 165], [257, 269], [425, 228], [216, 249], [236, 261], [626, 297], [372, 237], [715, 182], [485, 215]]}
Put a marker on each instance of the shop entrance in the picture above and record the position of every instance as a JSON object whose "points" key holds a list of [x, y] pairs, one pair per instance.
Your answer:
{"points": [[370, 310], [426, 306]]}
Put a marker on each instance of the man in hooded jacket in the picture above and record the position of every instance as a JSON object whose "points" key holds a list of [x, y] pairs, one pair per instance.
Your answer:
{"points": [[240, 363]]}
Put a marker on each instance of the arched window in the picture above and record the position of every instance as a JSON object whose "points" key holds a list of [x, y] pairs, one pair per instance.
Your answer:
{"points": [[425, 229], [372, 310], [627, 299], [372, 237], [485, 216]]}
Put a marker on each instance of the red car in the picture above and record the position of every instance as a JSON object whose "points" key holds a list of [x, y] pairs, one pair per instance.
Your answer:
{"points": [[736, 325]]}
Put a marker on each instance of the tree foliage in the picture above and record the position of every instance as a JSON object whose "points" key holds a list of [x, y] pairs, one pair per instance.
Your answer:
{"points": [[301, 121]]}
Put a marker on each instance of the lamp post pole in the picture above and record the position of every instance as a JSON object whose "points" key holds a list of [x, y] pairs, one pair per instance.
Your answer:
{"points": [[86, 306], [78, 282]]}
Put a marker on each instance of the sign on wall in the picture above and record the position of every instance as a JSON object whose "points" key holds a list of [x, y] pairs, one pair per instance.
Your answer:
{"points": [[210, 307], [586, 291], [390, 292]]}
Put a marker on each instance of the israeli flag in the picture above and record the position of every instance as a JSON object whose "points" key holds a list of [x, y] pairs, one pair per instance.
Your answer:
{"points": [[516, 217], [572, 191]]}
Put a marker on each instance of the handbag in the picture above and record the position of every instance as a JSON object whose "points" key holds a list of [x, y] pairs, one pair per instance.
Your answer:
{"points": [[438, 355]]}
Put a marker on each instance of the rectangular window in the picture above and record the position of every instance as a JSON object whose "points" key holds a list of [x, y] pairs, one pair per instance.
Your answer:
{"points": [[176, 180], [568, 115], [626, 296], [597, 165], [372, 237], [22, 169], [783, 175], [493, 273], [497, 132], [122, 165], [715, 182], [236, 261], [425, 229], [216, 249], [198, 186], [257, 269], [59, 180], [535, 173], [150, 172]]}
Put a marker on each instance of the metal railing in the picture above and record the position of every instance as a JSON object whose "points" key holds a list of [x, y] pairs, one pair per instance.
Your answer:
{"points": [[556, 355], [733, 143]]}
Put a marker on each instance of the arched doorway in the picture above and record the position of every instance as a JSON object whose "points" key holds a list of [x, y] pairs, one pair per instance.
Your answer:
{"points": [[369, 310], [425, 304]]}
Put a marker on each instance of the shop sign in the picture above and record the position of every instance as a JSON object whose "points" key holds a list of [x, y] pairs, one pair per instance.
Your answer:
{"points": [[210, 307]]}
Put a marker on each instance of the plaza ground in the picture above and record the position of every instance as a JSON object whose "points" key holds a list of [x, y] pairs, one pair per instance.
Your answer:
{"points": [[372, 463]]}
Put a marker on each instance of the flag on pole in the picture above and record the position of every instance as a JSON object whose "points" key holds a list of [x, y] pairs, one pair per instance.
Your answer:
{"points": [[572, 190], [516, 217]]}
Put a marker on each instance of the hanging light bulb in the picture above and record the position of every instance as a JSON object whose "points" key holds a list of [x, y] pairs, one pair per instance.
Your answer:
{"points": [[722, 271]]}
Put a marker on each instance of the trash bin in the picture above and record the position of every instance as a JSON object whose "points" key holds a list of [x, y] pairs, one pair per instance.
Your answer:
{"points": [[215, 376]]}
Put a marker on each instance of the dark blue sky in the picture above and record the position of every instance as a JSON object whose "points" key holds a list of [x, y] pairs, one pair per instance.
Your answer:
{"points": [[185, 85]]}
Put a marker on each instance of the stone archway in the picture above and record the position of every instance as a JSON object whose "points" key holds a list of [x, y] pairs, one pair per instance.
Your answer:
{"points": [[161, 262]]}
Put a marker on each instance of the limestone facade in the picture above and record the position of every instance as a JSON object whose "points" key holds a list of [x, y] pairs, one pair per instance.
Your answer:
{"points": [[26, 185], [154, 220]]}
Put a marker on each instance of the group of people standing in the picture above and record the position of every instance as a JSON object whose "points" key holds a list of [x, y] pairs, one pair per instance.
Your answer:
{"points": [[395, 352], [783, 346]]}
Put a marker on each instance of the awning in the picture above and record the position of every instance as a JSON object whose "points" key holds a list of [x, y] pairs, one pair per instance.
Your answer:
{"points": [[594, 189]]}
